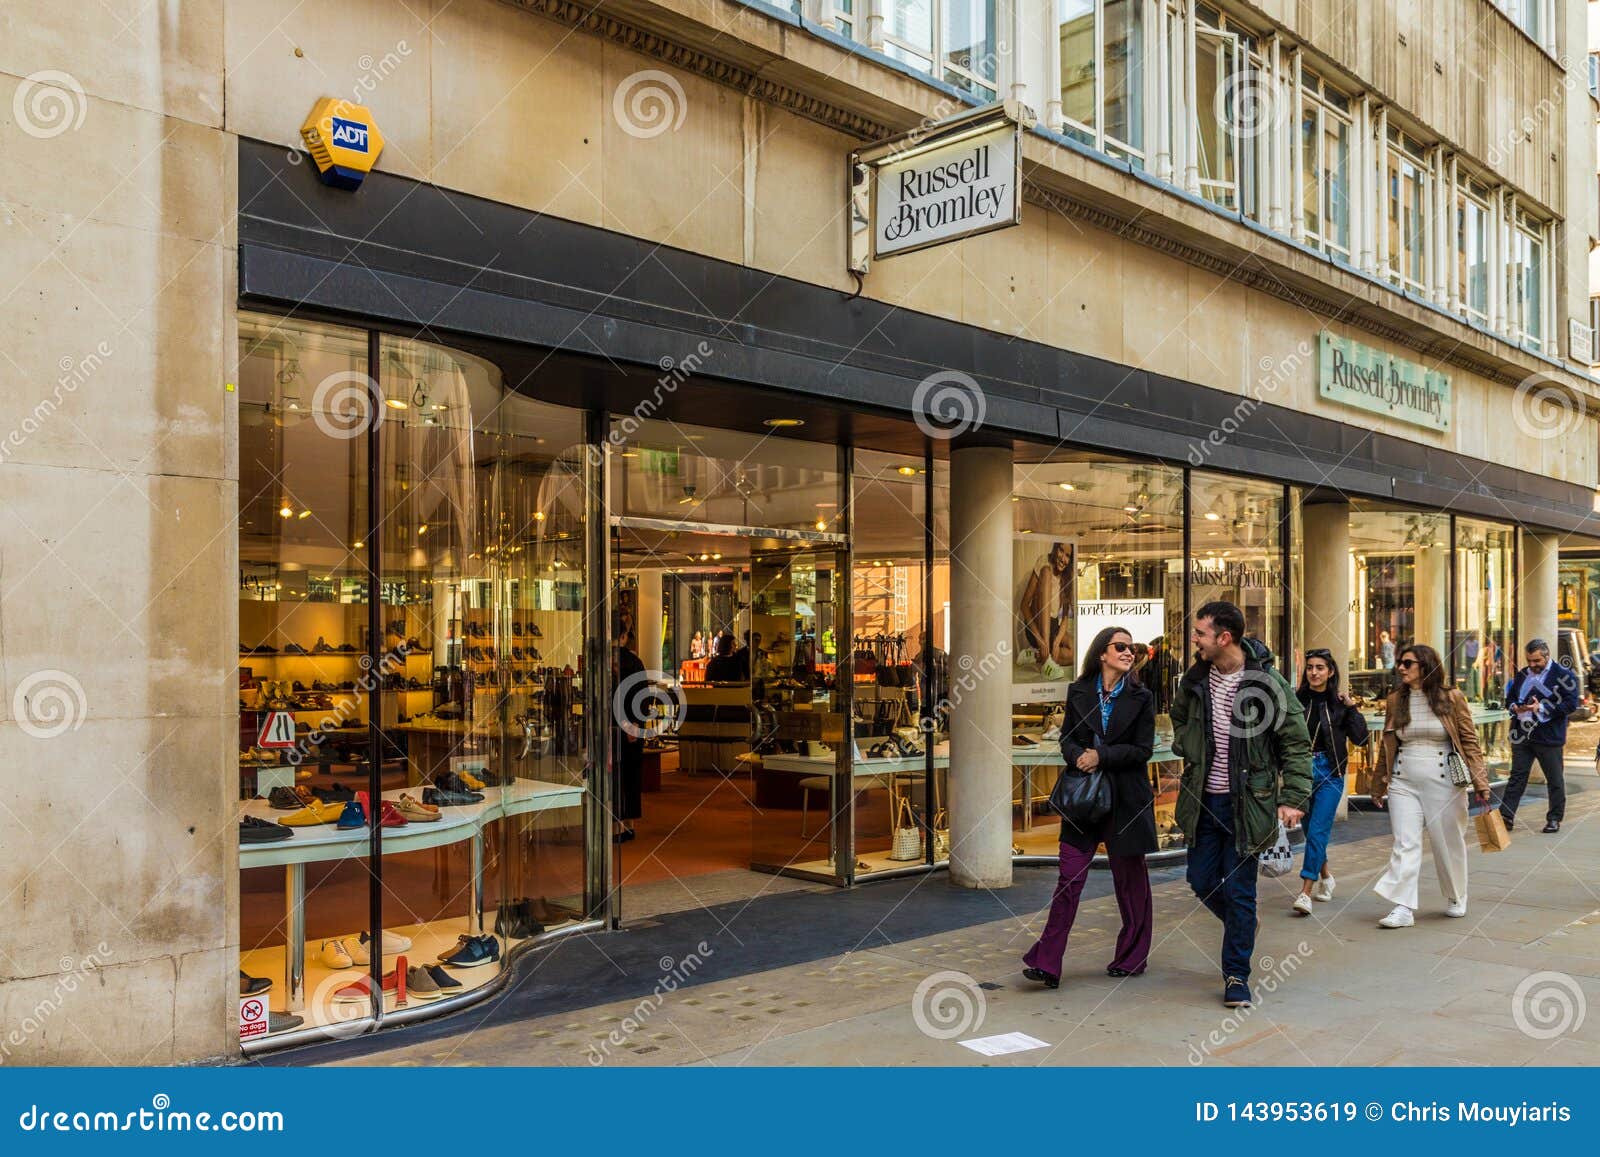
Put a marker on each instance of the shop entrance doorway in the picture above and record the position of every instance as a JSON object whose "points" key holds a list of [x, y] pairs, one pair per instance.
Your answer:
{"points": [[734, 634]]}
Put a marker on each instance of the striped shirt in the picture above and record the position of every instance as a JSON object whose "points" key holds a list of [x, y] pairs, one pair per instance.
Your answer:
{"points": [[1223, 689]]}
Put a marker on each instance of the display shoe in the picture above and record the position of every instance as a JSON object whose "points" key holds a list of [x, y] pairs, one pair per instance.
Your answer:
{"points": [[389, 816], [1399, 917], [472, 781], [321, 647], [393, 943], [421, 985], [285, 799], [534, 656], [293, 649], [336, 954], [1302, 904], [254, 831], [335, 794], [460, 943], [533, 629], [478, 950], [314, 813], [442, 798], [1323, 889], [283, 1021], [442, 978], [353, 816], [414, 810], [516, 628], [252, 985], [359, 990]]}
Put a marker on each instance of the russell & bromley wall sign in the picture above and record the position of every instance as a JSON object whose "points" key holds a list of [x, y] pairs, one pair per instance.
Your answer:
{"points": [[951, 179], [1369, 379]]}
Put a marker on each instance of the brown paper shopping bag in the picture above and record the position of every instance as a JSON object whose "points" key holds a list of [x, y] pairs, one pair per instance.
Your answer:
{"points": [[1492, 834]]}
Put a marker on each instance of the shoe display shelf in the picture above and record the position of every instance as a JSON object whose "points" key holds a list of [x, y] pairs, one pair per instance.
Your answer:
{"points": [[324, 843]]}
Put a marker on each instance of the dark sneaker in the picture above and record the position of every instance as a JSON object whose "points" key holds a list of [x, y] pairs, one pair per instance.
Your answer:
{"points": [[285, 799], [441, 798], [252, 985], [283, 1021], [1235, 993], [476, 951], [254, 831], [338, 793], [442, 978]]}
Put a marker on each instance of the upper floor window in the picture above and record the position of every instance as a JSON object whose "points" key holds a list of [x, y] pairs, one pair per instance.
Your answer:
{"points": [[1102, 74], [1406, 180], [1594, 74], [1528, 15], [1472, 250], [1224, 118], [953, 40], [1325, 166], [1525, 280]]}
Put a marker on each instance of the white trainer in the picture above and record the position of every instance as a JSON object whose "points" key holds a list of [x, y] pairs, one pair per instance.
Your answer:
{"points": [[1399, 917], [1302, 905], [1323, 889], [335, 954], [1456, 908]]}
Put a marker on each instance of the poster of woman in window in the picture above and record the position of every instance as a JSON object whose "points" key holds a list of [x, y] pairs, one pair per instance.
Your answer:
{"points": [[1045, 573]]}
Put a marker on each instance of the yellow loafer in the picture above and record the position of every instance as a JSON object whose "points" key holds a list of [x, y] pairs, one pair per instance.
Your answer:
{"points": [[312, 814]]}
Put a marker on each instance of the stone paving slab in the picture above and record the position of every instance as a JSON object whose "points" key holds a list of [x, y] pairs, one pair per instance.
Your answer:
{"points": [[1334, 989]]}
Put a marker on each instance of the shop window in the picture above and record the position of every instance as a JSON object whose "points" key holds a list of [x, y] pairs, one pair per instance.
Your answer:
{"points": [[953, 40], [1400, 578], [474, 772], [1483, 647], [1237, 553], [1102, 74]]}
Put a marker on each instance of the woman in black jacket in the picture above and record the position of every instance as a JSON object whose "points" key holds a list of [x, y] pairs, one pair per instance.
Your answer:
{"points": [[1110, 725], [1334, 724]]}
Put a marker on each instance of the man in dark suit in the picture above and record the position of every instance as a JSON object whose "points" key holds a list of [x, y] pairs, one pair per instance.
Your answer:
{"points": [[1540, 698]]}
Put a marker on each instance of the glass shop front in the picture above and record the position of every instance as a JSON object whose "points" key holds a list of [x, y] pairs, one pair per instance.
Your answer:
{"points": [[460, 605]]}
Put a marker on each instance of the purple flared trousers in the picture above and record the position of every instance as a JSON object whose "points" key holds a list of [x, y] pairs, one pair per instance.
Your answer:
{"points": [[1132, 881]]}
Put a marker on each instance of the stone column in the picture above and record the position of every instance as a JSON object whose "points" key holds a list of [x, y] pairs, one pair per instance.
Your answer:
{"points": [[650, 618], [1537, 590], [1327, 580], [981, 648], [1432, 577]]}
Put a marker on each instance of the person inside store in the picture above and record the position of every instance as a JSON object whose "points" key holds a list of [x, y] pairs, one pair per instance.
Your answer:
{"points": [[1541, 697], [1110, 727], [1241, 733], [1385, 651], [630, 724], [1426, 721], [1334, 724], [697, 646], [724, 665]]}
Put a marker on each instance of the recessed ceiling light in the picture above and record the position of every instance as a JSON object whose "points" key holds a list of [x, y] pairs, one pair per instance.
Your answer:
{"points": [[1066, 485], [908, 471], [538, 516], [285, 511], [357, 545], [304, 514], [397, 403], [822, 524], [784, 423], [1131, 508], [1213, 516]]}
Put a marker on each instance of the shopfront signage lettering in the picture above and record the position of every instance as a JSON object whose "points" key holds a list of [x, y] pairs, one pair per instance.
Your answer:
{"points": [[1358, 375], [955, 178], [1144, 619], [1239, 575]]}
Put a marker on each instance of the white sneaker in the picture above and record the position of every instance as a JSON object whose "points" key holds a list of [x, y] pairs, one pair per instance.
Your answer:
{"points": [[1456, 908], [335, 954], [1399, 917], [1302, 905], [393, 944], [1322, 889]]}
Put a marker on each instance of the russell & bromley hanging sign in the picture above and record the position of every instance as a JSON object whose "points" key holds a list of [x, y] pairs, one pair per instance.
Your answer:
{"points": [[948, 180], [1369, 379]]}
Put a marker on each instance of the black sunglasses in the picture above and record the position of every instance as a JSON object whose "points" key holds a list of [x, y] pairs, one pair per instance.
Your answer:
{"points": [[1320, 653], [1407, 663], [1119, 648]]}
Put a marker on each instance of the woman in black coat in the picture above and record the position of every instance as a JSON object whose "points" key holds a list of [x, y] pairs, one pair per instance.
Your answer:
{"points": [[1110, 725], [1334, 724]]}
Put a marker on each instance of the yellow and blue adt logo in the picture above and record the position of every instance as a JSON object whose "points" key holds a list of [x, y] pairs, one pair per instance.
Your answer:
{"points": [[343, 140]]}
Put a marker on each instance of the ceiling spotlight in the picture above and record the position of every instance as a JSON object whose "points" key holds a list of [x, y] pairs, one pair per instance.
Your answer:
{"points": [[906, 471], [1066, 485], [397, 403], [304, 514], [422, 530], [1213, 516], [285, 511], [357, 545], [822, 524], [784, 423], [538, 516]]}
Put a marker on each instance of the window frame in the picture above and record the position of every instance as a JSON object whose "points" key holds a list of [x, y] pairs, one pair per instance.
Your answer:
{"points": [[1097, 135], [934, 60], [1321, 100], [1400, 152]]}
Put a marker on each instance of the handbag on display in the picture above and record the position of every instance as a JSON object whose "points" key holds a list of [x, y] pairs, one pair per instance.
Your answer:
{"points": [[907, 841], [941, 835], [1278, 860], [1082, 798]]}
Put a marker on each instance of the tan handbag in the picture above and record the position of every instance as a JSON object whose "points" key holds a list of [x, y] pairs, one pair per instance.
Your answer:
{"points": [[907, 841]]}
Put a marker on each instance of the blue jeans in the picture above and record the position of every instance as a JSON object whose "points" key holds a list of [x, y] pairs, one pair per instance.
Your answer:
{"points": [[1225, 882], [1327, 789]]}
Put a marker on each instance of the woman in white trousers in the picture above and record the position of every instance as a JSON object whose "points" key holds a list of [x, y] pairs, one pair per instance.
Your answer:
{"points": [[1425, 719]]}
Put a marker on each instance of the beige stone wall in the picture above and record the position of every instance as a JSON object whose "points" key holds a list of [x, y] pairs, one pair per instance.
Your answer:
{"points": [[510, 106], [117, 550]]}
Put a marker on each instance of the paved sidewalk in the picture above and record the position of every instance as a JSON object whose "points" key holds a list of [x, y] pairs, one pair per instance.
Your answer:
{"points": [[881, 975]]}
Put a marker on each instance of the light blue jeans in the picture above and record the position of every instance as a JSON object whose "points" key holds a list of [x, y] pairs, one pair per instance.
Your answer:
{"points": [[1327, 789]]}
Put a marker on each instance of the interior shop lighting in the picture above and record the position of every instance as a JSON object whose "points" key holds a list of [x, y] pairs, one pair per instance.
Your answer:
{"points": [[822, 524], [304, 514], [784, 423], [397, 403], [285, 511], [1066, 485], [906, 471], [1213, 516], [538, 516]]}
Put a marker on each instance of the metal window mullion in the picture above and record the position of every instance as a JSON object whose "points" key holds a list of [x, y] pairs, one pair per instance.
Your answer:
{"points": [[1297, 154], [374, 561]]}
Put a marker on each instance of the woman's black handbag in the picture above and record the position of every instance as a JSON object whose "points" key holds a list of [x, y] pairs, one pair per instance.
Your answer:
{"points": [[1082, 798]]}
